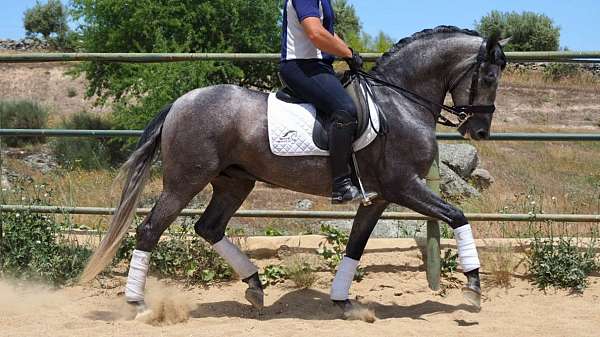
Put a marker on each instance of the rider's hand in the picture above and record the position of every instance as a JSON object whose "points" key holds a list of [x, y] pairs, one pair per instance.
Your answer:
{"points": [[355, 62]]}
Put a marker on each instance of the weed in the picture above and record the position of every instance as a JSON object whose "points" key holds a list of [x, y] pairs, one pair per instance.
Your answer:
{"points": [[501, 263], [271, 231], [449, 263], [558, 71], [300, 271], [333, 249], [272, 275], [559, 263]]}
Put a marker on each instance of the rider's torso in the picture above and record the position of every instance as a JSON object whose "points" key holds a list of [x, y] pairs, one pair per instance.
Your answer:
{"points": [[295, 44]]}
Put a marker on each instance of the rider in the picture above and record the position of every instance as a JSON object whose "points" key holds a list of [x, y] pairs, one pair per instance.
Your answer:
{"points": [[308, 49]]}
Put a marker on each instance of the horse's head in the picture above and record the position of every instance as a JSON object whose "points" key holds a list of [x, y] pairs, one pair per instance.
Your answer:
{"points": [[475, 91]]}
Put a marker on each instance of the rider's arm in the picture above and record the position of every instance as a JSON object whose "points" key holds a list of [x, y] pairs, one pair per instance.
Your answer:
{"points": [[324, 40]]}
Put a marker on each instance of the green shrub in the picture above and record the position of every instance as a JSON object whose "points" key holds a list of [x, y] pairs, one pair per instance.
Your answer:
{"points": [[273, 274], [333, 249], [449, 263], [34, 248], [559, 71], [559, 263], [22, 114], [88, 153], [181, 256]]}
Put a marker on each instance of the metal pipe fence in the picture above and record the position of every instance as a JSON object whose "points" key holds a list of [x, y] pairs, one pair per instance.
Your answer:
{"points": [[558, 56], [509, 136], [280, 214]]}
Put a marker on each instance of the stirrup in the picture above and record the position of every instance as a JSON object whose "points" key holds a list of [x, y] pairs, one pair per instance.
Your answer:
{"points": [[349, 193]]}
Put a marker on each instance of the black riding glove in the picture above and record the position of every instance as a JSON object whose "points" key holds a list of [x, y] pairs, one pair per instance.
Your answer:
{"points": [[355, 62]]}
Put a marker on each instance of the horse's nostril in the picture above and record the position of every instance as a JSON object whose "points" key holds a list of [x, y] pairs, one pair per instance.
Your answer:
{"points": [[482, 134]]}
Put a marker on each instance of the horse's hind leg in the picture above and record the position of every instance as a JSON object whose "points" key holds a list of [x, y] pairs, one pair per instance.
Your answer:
{"points": [[228, 195], [170, 203], [419, 198]]}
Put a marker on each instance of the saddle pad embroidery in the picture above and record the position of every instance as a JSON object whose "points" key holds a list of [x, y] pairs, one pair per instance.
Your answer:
{"points": [[291, 128]]}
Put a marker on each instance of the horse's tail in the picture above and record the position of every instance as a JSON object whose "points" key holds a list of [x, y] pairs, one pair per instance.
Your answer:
{"points": [[136, 170]]}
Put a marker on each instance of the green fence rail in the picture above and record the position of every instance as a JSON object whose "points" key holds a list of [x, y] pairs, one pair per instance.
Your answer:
{"points": [[279, 214], [563, 56], [518, 136]]}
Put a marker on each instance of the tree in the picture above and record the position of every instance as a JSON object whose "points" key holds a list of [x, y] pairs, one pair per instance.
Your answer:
{"points": [[382, 43], [529, 31], [185, 26], [347, 23], [46, 19]]}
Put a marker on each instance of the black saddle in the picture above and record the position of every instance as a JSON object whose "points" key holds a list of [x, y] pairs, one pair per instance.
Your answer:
{"points": [[322, 123]]}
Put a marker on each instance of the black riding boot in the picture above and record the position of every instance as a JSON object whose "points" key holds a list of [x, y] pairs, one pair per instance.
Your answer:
{"points": [[341, 136]]}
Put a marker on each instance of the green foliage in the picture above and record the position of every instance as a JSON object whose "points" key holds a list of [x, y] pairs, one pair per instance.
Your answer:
{"points": [[271, 231], [559, 263], [559, 71], [22, 114], [49, 20], [88, 153], [181, 256], [333, 249], [529, 31], [34, 248], [300, 271], [173, 26], [449, 262], [272, 275], [347, 23]]}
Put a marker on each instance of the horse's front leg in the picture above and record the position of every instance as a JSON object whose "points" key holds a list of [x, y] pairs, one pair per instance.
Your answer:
{"points": [[418, 197], [364, 222]]}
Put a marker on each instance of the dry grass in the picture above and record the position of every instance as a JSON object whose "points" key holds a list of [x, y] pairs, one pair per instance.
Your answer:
{"points": [[301, 269], [584, 81], [500, 263]]}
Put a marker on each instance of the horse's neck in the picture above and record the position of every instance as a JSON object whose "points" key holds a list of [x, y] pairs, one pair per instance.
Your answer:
{"points": [[426, 67]]}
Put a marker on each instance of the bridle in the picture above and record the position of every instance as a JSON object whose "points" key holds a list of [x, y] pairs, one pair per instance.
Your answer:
{"points": [[462, 112]]}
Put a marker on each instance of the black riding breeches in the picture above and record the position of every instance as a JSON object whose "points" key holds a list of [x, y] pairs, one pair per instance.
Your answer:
{"points": [[314, 81]]}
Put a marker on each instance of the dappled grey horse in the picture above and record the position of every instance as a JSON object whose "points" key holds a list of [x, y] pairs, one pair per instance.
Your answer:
{"points": [[218, 135]]}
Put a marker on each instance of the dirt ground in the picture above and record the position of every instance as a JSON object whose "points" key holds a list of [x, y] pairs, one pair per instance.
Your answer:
{"points": [[395, 289]]}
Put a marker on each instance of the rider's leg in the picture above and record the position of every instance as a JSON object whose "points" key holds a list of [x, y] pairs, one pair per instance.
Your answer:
{"points": [[316, 82], [364, 222]]}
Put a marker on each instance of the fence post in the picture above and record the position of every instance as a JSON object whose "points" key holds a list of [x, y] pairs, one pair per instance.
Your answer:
{"points": [[433, 232]]}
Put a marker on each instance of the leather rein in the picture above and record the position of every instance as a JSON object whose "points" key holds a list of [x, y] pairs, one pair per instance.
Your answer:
{"points": [[462, 112]]}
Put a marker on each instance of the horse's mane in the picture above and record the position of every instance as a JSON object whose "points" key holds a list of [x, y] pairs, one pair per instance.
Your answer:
{"points": [[418, 36]]}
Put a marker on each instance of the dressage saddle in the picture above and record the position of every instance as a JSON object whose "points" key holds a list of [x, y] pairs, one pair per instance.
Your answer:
{"points": [[322, 123]]}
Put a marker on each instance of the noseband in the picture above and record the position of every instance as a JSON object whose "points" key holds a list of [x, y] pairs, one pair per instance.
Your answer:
{"points": [[462, 112]]}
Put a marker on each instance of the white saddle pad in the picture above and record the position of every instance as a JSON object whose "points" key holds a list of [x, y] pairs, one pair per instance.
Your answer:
{"points": [[291, 128]]}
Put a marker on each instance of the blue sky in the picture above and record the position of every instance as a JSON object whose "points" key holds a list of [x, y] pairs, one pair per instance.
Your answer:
{"points": [[579, 20]]}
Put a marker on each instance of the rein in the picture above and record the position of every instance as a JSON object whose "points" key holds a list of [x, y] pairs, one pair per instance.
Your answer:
{"points": [[462, 112]]}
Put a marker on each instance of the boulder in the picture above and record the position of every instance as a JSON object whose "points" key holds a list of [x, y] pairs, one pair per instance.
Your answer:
{"points": [[387, 228], [41, 161], [461, 158], [482, 179], [453, 186], [304, 204]]}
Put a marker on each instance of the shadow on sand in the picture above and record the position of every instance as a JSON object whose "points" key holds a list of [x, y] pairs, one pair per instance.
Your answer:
{"points": [[309, 304]]}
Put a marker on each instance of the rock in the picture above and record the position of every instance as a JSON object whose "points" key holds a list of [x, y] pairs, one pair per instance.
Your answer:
{"points": [[453, 186], [41, 161], [482, 179], [4, 183], [461, 158], [304, 204]]}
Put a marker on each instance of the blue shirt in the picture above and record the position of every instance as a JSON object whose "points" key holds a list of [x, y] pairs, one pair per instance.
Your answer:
{"points": [[295, 44]]}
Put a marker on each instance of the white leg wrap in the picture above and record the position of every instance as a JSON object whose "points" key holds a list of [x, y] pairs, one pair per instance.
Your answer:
{"points": [[236, 258], [136, 280], [467, 251], [340, 289]]}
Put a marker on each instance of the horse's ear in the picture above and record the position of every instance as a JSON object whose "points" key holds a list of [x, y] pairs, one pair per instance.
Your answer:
{"points": [[492, 42], [504, 42]]}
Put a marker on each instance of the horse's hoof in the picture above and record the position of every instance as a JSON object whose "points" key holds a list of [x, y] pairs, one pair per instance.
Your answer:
{"points": [[472, 291], [256, 297], [345, 305], [141, 309], [473, 297]]}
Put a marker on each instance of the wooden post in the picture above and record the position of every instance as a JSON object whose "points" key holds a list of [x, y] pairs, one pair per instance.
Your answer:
{"points": [[433, 233]]}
